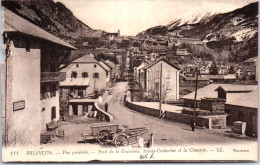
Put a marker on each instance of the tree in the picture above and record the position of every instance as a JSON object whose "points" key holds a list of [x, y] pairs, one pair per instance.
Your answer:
{"points": [[231, 70], [213, 69]]}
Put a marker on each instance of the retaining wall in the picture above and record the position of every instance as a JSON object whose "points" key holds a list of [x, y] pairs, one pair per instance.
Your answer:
{"points": [[101, 112], [176, 117]]}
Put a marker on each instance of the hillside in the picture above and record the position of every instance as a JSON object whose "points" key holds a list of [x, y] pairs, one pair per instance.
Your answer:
{"points": [[52, 17], [235, 31]]}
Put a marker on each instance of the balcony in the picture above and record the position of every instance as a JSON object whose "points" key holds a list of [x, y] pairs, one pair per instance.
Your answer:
{"points": [[52, 76]]}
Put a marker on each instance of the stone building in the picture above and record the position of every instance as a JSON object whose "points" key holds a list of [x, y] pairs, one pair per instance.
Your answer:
{"points": [[29, 79]]}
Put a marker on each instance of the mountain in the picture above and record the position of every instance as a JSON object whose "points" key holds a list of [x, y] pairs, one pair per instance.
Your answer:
{"points": [[234, 32], [52, 17]]}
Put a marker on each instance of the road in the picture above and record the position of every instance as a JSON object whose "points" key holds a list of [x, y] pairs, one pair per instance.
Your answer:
{"points": [[167, 133]]}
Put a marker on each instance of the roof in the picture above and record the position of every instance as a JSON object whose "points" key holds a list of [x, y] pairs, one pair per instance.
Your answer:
{"points": [[162, 59], [82, 100], [237, 88], [85, 59], [210, 91], [111, 64], [205, 92], [75, 82], [88, 59], [107, 67], [253, 59], [15, 23], [213, 76], [199, 78], [244, 99]]}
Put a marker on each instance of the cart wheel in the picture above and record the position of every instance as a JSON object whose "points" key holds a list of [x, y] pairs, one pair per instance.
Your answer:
{"points": [[105, 135], [121, 140]]}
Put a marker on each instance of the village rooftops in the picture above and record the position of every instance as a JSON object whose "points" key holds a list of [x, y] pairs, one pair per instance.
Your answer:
{"points": [[15, 23], [162, 59], [75, 82], [245, 99]]}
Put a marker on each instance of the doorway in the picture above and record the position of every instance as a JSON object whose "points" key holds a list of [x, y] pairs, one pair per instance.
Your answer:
{"points": [[75, 109]]}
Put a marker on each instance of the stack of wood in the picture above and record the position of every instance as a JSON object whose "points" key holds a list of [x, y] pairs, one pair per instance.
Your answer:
{"points": [[215, 105]]}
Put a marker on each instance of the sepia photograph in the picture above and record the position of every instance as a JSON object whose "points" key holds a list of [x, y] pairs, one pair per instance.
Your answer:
{"points": [[129, 80]]}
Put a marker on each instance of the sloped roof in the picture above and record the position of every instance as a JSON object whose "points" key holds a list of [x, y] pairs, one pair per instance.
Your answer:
{"points": [[15, 23], [253, 59], [244, 99], [162, 59], [205, 92], [199, 78], [237, 88], [210, 91], [75, 82], [88, 59], [85, 59], [102, 63], [111, 64]]}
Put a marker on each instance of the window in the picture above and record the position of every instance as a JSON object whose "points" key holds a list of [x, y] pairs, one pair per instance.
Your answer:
{"points": [[61, 92], [85, 74], [53, 67], [95, 75], [77, 65], [53, 113], [28, 45], [53, 91], [74, 75], [95, 65], [44, 93], [80, 93]]}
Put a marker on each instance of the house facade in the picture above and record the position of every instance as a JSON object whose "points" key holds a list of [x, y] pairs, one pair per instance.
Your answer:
{"points": [[244, 108], [250, 69], [85, 79], [88, 73], [164, 72], [29, 80]]}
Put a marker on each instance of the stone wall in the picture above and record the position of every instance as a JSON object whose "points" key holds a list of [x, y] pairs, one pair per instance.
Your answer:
{"points": [[101, 112], [176, 117], [214, 105]]}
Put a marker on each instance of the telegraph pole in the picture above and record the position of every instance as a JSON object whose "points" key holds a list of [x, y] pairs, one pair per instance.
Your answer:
{"points": [[160, 94], [195, 98]]}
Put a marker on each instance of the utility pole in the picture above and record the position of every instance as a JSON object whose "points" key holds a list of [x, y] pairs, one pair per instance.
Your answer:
{"points": [[160, 94], [195, 98]]}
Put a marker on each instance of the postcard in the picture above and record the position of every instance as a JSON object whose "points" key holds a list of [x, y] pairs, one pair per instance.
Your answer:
{"points": [[129, 81]]}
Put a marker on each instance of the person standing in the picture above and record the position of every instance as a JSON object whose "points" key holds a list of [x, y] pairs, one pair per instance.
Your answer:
{"points": [[192, 124], [106, 107]]}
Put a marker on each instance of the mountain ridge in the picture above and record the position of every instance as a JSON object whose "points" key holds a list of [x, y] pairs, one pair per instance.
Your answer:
{"points": [[53, 17], [235, 31]]}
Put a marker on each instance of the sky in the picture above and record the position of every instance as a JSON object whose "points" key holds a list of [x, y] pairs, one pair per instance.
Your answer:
{"points": [[133, 16]]}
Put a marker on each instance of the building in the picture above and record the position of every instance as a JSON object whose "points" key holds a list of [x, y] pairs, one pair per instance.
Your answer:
{"points": [[29, 80], [162, 70], [138, 72], [250, 69], [182, 52], [112, 36], [86, 79], [87, 72], [226, 91], [244, 107], [223, 91]]}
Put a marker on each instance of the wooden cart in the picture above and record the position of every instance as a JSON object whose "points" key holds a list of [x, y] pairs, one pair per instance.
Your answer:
{"points": [[111, 134]]}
